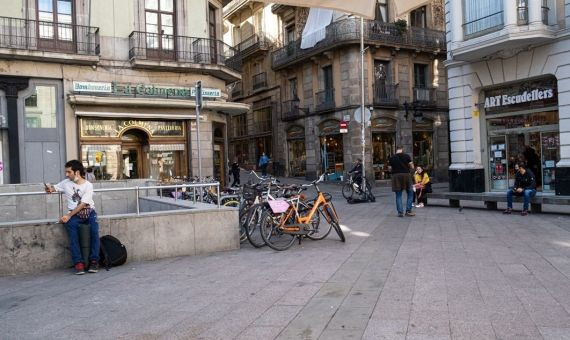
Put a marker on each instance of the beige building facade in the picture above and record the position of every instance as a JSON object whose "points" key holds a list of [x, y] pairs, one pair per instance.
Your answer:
{"points": [[113, 84], [317, 88]]}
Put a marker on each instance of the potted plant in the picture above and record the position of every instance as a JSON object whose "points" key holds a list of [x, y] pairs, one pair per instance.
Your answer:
{"points": [[401, 26]]}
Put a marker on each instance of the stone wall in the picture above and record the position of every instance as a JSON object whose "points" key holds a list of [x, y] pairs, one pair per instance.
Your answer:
{"points": [[44, 246]]}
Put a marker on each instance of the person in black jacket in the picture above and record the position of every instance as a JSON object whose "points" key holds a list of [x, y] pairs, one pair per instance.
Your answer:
{"points": [[234, 171], [525, 185]]}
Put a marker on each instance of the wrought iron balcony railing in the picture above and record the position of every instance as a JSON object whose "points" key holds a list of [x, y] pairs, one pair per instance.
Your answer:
{"points": [[290, 110], [164, 47], [48, 36], [253, 44], [425, 96], [347, 31], [259, 81], [386, 94], [325, 100]]}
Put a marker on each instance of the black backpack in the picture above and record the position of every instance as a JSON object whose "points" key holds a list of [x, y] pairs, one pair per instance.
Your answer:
{"points": [[112, 252]]}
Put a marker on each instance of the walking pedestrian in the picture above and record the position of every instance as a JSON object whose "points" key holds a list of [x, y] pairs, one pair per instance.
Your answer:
{"points": [[263, 163], [235, 173], [400, 165]]}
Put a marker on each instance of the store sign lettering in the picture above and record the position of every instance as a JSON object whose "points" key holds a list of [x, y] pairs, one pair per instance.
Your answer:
{"points": [[525, 97], [114, 128], [143, 90]]}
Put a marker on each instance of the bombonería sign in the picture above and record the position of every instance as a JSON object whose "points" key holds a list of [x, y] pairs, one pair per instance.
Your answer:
{"points": [[115, 128], [143, 90], [525, 97]]}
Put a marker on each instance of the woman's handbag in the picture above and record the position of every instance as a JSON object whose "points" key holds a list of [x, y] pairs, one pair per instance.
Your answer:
{"points": [[84, 213]]}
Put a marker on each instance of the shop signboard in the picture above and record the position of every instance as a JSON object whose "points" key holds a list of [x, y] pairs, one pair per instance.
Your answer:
{"points": [[530, 94], [114, 128], [143, 90]]}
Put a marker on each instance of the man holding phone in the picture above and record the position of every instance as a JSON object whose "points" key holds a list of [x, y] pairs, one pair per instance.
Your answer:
{"points": [[81, 209], [525, 185]]}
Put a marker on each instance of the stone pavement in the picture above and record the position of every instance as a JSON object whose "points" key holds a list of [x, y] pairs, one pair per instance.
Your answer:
{"points": [[443, 274]]}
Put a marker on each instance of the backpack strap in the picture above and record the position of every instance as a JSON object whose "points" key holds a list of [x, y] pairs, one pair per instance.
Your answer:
{"points": [[106, 262]]}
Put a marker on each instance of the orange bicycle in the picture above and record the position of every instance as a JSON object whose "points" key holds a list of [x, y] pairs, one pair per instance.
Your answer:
{"points": [[280, 228]]}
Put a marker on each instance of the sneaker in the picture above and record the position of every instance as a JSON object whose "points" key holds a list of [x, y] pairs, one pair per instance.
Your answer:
{"points": [[421, 205], [410, 213], [400, 214], [524, 213], [93, 267], [79, 268], [508, 211]]}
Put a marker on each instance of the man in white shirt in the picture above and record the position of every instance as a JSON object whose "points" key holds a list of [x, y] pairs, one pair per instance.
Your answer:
{"points": [[81, 209]]}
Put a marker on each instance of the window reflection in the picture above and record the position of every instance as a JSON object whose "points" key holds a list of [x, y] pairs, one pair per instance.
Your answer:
{"points": [[40, 108]]}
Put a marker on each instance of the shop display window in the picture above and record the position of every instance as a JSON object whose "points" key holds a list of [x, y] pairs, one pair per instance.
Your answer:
{"points": [[106, 160], [166, 165], [423, 149], [383, 146], [41, 108]]}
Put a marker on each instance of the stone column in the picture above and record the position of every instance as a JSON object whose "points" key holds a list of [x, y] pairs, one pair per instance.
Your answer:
{"points": [[563, 166], [11, 86]]}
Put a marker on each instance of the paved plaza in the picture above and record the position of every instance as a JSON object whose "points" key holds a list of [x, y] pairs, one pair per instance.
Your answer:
{"points": [[444, 274]]}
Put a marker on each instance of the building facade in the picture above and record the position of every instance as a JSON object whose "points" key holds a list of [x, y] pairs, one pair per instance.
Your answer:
{"points": [[319, 87], [113, 84], [509, 80]]}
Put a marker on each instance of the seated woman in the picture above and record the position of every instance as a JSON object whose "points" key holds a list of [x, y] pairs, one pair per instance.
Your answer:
{"points": [[422, 186]]}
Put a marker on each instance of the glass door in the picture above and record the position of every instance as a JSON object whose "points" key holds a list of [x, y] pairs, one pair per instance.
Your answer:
{"points": [[498, 168], [550, 145]]}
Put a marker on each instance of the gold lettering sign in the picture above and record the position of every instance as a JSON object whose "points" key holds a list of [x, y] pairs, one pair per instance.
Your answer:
{"points": [[115, 128]]}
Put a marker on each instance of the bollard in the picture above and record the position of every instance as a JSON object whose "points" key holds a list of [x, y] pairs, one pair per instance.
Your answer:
{"points": [[84, 241]]}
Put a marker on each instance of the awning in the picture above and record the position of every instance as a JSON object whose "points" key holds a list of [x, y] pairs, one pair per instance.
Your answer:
{"points": [[405, 6], [364, 8], [315, 29]]}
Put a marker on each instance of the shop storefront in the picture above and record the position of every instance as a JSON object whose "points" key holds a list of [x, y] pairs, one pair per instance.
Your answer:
{"points": [[383, 145], [131, 148], [522, 125], [422, 138], [297, 151], [332, 151]]}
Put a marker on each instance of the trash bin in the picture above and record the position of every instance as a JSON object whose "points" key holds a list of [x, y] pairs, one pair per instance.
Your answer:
{"points": [[84, 241]]}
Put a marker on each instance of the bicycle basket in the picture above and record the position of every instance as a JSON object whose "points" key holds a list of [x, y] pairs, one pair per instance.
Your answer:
{"points": [[249, 193], [328, 197]]}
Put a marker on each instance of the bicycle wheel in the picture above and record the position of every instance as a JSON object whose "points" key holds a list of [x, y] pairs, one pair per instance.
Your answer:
{"points": [[231, 203], [252, 225], [334, 222], [274, 237], [347, 191], [242, 220], [370, 195], [319, 231]]}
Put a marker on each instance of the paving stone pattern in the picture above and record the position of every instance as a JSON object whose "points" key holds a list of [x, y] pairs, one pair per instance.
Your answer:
{"points": [[443, 274]]}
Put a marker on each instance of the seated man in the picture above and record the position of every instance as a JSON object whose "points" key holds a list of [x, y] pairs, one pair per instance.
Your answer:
{"points": [[357, 171], [525, 185], [81, 209]]}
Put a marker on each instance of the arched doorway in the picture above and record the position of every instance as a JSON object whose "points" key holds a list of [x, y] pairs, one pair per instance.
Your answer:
{"points": [[134, 150], [383, 145]]}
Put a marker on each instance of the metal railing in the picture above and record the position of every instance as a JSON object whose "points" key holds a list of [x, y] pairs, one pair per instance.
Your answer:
{"points": [[483, 25], [325, 100], [252, 44], [48, 36], [290, 110], [259, 81], [385, 94], [347, 31], [165, 47], [425, 96], [196, 188]]}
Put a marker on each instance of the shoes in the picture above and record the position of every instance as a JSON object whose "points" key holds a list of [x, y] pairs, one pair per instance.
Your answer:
{"points": [[524, 213], [93, 267], [421, 205], [508, 211], [400, 215], [409, 213], [79, 268]]}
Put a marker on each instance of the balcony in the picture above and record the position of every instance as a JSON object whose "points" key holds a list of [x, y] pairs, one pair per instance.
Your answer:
{"points": [[325, 100], [425, 96], [253, 45], [259, 81], [184, 54], [290, 110], [386, 95], [47, 41], [237, 90], [347, 31]]}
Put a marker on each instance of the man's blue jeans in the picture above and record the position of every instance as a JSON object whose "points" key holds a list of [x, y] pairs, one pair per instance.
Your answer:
{"points": [[410, 200], [72, 230], [527, 193]]}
